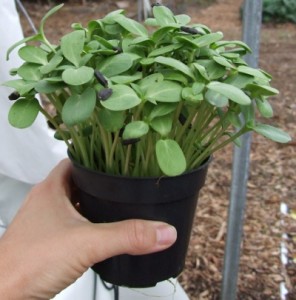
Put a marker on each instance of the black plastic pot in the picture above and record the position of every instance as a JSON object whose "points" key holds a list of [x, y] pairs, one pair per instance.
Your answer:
{"points": [[107, 198]]}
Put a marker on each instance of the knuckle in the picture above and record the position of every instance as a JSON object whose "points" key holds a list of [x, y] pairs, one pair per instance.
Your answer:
{"points": [[140, 237]]}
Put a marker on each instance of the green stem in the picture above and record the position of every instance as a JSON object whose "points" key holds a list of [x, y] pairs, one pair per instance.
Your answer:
{"points": [[209, 150], [113, 148], [105, 145], [127, 159], [58, 129], [193, 135], [80, 145], [149, 151], [185, 126], [176, 119]]}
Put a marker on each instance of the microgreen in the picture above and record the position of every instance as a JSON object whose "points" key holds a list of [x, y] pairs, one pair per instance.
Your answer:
{"points": [[136, 101]]}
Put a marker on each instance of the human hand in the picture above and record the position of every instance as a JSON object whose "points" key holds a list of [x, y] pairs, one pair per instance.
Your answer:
{"points": [[49, 244]]}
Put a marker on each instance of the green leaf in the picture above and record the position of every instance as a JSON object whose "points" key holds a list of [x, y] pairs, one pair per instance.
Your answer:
{"points": [[54, 79], [273, 133], [162, 109], [79, 107], [29, 71], [176, 64], [189, 94], [36, 37], [165, 91], [183, 19], [232, 44], [152, 79], [202, 71], [109, 18], [164, 32], [135, 130], [173, 75], [234, 119], [164, 50], [187, 40], [33, 55], [112, 121], [162, 125], [137, 89], [239, 80], [223, 62], [170, 157], [151, 22], [78, 76], [126, 79], [72, 46], [48, 14], [131, 25], [115, 65], [163, 15], [216, 99], [214, 70], [264, 108], [22, 86], [253, 72], [52, 64], [142, 41], [261, 90], [122, 98], [198, 87], [207, 39], [229, 91], [23, 112], [46, 87], [103, 42]]}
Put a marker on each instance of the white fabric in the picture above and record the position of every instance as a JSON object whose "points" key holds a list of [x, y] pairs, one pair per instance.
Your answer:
{"points": [[28, 155], [166, 290]]}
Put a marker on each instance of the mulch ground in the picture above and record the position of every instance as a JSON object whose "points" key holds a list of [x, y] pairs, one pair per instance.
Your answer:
{"points": [[272, 170]]}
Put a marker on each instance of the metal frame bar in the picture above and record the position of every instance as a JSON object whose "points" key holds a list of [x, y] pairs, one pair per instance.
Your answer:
{"points": [[252, 18]]}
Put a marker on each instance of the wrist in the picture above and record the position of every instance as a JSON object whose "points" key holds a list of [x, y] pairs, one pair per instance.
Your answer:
{"points": [[11, 286]]}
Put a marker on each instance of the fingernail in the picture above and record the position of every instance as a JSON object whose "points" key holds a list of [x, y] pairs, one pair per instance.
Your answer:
{"points": [[166, 235]]}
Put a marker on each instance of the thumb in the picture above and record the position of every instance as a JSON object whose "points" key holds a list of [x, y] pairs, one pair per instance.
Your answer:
{"points": [[129, 237]]}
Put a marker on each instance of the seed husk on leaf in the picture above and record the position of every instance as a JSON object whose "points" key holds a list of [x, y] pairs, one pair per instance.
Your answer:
{"points": [[104, 94], [14, 96], [101, 79], [189, 30]]}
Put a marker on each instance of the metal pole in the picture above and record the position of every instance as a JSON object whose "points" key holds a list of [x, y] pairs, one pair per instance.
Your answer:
{"points": [[140, 10], [252, 17], [24, 11]]}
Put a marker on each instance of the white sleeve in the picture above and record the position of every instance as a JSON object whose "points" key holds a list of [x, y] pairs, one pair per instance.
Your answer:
{"points": [[25, 154]]}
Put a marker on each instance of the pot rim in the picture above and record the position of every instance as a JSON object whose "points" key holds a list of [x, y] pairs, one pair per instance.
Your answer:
{"points": [[205, 164]]}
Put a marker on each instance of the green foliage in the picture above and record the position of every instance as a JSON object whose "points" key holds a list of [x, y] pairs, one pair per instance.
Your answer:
{"points": [[279, 11], [139, 102]]}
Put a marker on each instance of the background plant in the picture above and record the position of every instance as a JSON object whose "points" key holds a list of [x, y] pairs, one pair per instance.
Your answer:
{"points": [[139, 103], [279, 11]]}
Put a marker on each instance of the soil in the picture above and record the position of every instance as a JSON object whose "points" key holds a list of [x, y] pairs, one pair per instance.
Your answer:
{"points": [[272, 171]]}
